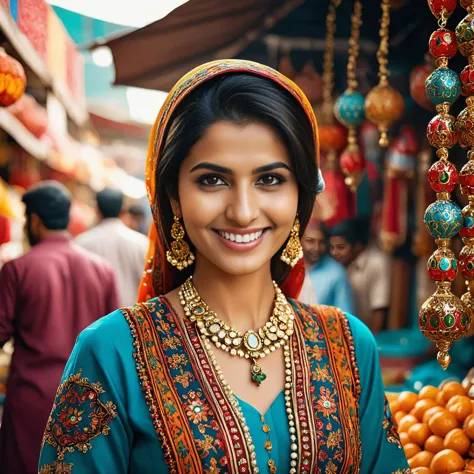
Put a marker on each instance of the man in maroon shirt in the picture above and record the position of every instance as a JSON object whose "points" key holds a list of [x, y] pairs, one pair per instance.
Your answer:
{"points": [[47, 297]]}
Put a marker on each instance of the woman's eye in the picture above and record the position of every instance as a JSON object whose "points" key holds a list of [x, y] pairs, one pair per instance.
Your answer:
{"points": [[211, 181], [270, 180]]}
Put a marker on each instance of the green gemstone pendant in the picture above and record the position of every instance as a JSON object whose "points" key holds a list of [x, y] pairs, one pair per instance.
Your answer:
{"points": [[258, 376]]}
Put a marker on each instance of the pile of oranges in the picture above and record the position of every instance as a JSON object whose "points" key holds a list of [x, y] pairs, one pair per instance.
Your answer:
{"points": [[436, 428]]}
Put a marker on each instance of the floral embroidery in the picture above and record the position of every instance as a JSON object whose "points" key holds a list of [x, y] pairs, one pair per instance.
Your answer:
{"points": [[56, 468], [389, 425], [196, 410], [78, 416], [334, 439], [326, 404]]}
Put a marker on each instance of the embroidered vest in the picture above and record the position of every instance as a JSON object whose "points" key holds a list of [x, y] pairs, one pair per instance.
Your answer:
{"points": [[198, 426]]}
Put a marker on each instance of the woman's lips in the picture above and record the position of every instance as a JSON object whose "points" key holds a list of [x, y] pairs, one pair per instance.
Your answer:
{"points": [[242, 246]]}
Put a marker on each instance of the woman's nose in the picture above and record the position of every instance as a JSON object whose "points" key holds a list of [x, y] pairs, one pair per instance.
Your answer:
{"points": [[243, 207]]}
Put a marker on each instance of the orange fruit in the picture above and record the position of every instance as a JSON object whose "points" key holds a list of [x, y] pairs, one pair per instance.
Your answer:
{"points": [[452, 401], [461, 408], [399, 415], [430, 412], [406, 423], [422, 470], [442, 423], [419, 433], [411, 449], [394, 406], [434, 444], [440, 400], [404, 438], [447, 461], [429, 392], [451, 389], [407, 400], [422, 459], [469, 465], [458, 441], [468, 427], [422, 406], [472, 402], [471, 451]]}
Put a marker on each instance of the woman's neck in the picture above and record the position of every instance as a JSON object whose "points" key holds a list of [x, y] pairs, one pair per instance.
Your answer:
{"points": [[245, 302]]}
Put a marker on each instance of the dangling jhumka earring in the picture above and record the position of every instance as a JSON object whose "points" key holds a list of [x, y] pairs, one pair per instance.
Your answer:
{"points": [[179, 255], [293, 251]]}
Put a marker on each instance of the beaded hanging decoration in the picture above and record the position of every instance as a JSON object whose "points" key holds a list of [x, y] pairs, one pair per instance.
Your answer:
{"points": [[442, 314], [349, 108], [384, 104]]}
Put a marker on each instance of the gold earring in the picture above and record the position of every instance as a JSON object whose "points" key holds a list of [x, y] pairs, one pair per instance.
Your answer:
{"points": [[293, 251], [179, 255]]}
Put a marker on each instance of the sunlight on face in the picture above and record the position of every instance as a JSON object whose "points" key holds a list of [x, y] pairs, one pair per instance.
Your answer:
{"points": [[238, 197]]}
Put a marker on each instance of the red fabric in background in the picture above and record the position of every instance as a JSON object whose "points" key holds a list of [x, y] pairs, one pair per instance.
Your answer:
{"points": [[5, 4], [33, 22], [5, 235], [342, 201]]}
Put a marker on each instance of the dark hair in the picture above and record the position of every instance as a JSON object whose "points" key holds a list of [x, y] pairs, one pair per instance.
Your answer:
{"points": [[51, 202], [109, 202], [353, 230], [239, 98]]}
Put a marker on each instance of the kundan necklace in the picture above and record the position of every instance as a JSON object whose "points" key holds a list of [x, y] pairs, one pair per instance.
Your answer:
{"points": [[251, 344]]}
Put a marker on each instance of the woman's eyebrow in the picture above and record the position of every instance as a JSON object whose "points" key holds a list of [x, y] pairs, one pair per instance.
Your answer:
{"points": [[271, 167], [212, 167]]}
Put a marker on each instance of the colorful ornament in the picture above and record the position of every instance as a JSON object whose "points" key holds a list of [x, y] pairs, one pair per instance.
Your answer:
{"points": [[384, 105], [332, 137], [12, 79], [443, 316], [465, 35], [467, 80], [443, 43], [349, 108], [418, 78], [465, 125]]}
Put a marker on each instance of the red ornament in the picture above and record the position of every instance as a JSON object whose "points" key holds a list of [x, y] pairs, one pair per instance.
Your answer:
{"points": [[333, 137], [443, 177], [352, 163], [443, 43], [12, 79], [466, 179], [466, 262], [437, 6], [467, 229], [418, 78], [467, 79], [441, 131], [442, 265]]}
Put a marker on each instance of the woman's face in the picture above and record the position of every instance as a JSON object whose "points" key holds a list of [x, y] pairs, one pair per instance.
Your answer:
{"points": [[238, 197]]}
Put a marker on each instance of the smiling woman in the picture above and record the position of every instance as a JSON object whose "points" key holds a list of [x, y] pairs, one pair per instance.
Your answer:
{"points": [[223, 371]]}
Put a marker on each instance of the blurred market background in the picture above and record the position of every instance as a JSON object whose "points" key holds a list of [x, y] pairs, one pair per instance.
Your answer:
{"points": [[97, 72]]}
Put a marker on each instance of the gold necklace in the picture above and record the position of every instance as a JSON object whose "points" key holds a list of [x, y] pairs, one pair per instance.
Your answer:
{"points": [[251, 344]]}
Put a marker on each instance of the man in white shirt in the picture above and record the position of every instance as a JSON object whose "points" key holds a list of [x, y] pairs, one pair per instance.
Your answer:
{"points": [[369, 270], [124, 248]]}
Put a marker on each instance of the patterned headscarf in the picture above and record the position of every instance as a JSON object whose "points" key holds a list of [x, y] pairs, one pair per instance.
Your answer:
{"points": [[157, 278]]}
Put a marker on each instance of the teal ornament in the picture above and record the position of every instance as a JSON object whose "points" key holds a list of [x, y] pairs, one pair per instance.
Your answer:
{"points": [[443, 219], [443, 85], [349, 109]]}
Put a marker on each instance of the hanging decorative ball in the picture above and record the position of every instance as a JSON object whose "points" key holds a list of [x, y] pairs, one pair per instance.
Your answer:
{"points": [[443, 85], [465, 35], [443, 43], [352, 164], [441, 131], [443, 177], [12, 79], [418, 77], [466, 262], [467, 229], [333, 136], [467, 80], [442, 265], [383, 106], [465, 127], [349, 109], [443, 320], [443, 219], [437, 6], [466, 4], [466, 177]]}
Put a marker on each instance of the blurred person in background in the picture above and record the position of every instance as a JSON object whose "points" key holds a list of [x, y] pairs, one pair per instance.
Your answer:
{"points": [[124, 248], [47, 297], [328, 277], [368, 268], [135, 217]]}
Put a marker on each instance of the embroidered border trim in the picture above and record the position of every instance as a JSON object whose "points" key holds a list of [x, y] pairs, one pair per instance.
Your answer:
{"points": [[56, 468]]}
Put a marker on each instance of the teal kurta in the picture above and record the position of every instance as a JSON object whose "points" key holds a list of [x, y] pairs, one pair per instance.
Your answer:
{"points": [[101, 419]]}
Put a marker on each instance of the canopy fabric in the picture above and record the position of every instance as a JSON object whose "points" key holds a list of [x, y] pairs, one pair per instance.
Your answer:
{"points": [[156, 56]]}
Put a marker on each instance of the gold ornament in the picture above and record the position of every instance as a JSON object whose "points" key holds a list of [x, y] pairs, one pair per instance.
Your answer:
{"points": [[179, 255], [251, 344], [293, 251], [383, 104]]}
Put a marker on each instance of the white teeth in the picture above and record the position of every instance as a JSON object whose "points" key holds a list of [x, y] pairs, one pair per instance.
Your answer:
{"points": [[241, 238]]}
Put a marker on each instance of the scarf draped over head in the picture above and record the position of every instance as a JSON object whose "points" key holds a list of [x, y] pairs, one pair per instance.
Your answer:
{"points": [[157, 278]]}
